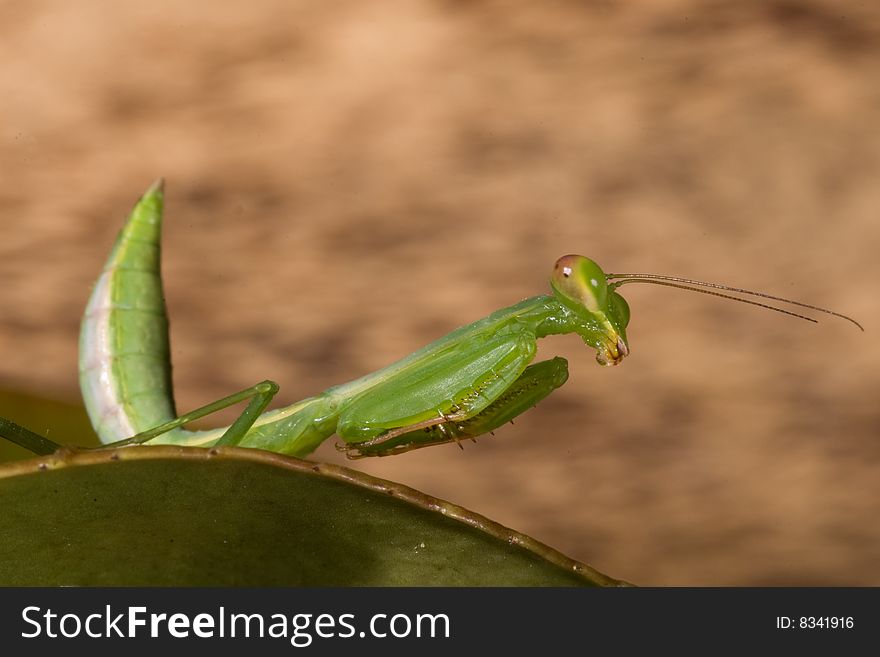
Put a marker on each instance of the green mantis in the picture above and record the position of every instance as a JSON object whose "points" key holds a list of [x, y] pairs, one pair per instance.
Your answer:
{"points": [[467, 383]]}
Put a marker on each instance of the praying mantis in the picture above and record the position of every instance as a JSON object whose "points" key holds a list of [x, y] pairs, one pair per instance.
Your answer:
{"points": [[465, 384]]}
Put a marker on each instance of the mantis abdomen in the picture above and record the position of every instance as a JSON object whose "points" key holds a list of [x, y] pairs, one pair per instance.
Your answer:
{"points": [[125, 366]]}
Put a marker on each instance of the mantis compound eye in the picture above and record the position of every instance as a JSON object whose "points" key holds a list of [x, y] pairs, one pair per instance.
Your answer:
{"points": [[581, 281]]}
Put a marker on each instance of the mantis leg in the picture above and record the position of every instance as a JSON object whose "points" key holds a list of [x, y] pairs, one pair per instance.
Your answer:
{"points": [[33, 442], [260, 395], [534, 384]]}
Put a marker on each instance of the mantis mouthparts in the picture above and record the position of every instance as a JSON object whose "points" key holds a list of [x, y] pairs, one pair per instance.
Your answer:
{"points": [[609, 355]]}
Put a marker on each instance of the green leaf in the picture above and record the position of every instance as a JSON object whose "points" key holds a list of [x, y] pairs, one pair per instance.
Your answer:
{"points": [[229, 516]]}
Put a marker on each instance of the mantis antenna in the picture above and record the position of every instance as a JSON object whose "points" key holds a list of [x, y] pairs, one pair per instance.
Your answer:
{"points": [[616, 280]]}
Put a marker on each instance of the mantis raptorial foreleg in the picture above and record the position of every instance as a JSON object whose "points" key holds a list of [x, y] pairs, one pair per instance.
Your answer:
{"points": [[480, 373], [536, 382]]}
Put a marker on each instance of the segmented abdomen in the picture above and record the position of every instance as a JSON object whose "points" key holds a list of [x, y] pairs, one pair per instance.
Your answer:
{"points": [[125, 367]]}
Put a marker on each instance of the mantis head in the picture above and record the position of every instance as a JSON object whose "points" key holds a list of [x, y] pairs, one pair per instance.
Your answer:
{"points": [[581, 286]]}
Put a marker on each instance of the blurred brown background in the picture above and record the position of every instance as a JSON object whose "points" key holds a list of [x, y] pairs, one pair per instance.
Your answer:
{"points": [[348, 181]]}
